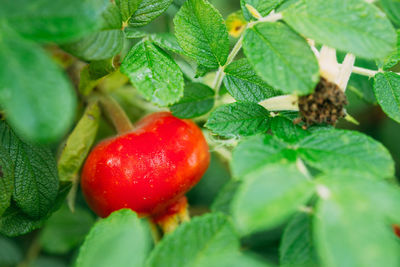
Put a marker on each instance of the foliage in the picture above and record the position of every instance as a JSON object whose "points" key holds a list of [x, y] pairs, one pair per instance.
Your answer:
{"points": [[297, 194]]}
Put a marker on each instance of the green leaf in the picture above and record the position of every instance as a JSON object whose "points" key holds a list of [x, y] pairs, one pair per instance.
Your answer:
{"points": [[97, 46], [147, 11], [281, 57], [154, 73], [127, 7], [392, 10], [10, 253], [353, 223], [352, 26], [14, 222], [286, 130], [394, 58], [167, 41], [264, 7], [362, 85], [387, 92], [91, 75], [6, 179], [103, 44], [244, 85], [198, 99], [222, 202], [297, 248], [38, 99], [239, 119], [268, 196], [134, 33], [211, 237], [79, 143], [331, 150], [53, 21], [120, 240], [257, 151], [202, 34], [35, 174], [65, 230]]}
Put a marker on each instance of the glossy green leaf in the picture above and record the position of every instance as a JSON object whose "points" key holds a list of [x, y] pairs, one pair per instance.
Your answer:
{"points": [[387, 92], [167, 41], [297, 246], [134, 33], [97, 46], [103, 44], [353, 222], [392, 10], [127, 7], [352, 26], [202, 34], [257, 151], [147, 11], [286, 130], [35, 174], [6, 179], [154, 73], [37, 98], [79, 143], [281, 57], [331, 150], [394, 58], [211, 237], [120, 240], [65, 230], [198, 99], [239, 119], [264, 7], [53, 21], [243, 84], [268, 196], [10, 253]]}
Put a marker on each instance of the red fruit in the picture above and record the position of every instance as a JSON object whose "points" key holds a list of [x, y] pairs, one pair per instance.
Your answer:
{"points": [[147, 170]]}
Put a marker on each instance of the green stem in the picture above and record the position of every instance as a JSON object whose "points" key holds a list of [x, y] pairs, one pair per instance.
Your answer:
{"points": [[117, 115]]}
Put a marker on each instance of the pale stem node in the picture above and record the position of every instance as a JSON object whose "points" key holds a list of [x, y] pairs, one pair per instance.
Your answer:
{"points": [[313, 48], [329, 67], [302, 168], [323, 192], [345, 71], [282, 102]]}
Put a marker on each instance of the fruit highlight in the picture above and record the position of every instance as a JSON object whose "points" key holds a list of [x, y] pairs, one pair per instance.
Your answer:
{"points": [[148, 169]]}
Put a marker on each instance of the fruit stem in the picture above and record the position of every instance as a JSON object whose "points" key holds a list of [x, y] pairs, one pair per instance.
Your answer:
{"points": [[117, 115]]}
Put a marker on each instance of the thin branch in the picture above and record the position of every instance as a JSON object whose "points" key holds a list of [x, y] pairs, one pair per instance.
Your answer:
{"points": [[282, 102], [345, 71]]}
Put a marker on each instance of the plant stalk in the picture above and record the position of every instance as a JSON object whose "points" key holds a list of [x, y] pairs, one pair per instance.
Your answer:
{"points": [[117, 115]]}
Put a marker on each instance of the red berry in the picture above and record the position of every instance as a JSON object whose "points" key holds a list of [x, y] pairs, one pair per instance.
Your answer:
{"points": [[148, 169], [396, 229]]}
